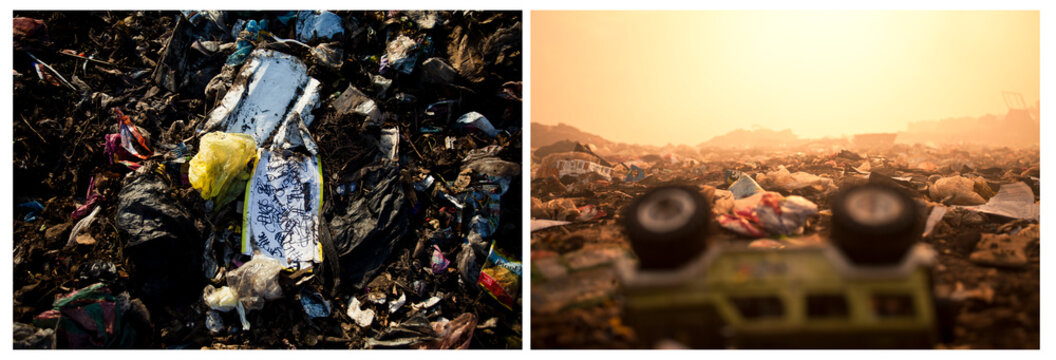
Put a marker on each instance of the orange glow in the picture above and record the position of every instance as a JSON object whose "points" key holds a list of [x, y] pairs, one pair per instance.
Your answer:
{"points": [[658, 77]]}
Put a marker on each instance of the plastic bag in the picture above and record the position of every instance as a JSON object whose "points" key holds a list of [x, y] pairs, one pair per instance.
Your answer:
{"points": [[219, 169], [744, 187], [454, 334], [256, 281], [222, 299], [634, 174], [91, 317], [362, 317], [318, 25], [768, 213], [958, 189], [474, 120], [400, 54], [501, 277], [782, 179], [438, 262], [556, 209]]}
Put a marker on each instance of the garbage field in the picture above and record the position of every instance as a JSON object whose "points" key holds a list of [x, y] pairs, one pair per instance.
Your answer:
{"points": [[280, 179], [611, 238]]}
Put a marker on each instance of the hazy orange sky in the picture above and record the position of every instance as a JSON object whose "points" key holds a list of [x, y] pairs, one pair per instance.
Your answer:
{"points": [[657, 77]]}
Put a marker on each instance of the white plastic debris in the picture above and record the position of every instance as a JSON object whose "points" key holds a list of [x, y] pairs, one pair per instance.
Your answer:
{"points": [[575, 164], [362, 317], [428, 303], [782, 179], [395, 305], [475, 120], [1012, 200], [284, 197], [936, 215], [256, 281], [539, 224], [744, 187], [271, 89], [82, 225], [400, 55], [390, 142], [321, 25], [223, 299]]}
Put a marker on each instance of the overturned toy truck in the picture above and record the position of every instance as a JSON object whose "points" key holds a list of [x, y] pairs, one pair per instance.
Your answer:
{"points": [[868, 286]]}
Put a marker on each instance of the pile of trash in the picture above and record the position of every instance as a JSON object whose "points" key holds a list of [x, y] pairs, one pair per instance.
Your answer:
{"points": [[981, 207], [242, 179]]}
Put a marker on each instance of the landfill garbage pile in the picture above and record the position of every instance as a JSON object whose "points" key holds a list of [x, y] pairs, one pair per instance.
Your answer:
{"points": [[980, 207], [288, 179]]}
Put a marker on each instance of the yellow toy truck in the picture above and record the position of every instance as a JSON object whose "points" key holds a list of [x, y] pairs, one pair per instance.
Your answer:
{"points": [[868, 286]]}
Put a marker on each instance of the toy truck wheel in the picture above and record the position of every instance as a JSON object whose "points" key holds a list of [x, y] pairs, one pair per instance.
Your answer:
{"points": [[875, 223], [668, 226]]}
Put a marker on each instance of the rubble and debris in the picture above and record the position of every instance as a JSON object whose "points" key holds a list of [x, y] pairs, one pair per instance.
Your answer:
{"points": [[119, 113], [31, 337], [990, 248]]}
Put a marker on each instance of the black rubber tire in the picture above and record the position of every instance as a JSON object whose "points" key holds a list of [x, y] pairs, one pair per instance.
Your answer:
{"points": [[880, 243], [670, 244]]}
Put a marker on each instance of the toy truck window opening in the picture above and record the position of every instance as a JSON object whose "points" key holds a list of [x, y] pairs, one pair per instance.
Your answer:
{"points": [[827, 306]]}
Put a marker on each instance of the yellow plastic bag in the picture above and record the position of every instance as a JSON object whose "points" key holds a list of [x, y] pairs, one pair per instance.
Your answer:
{"points": [[220, 167]]}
